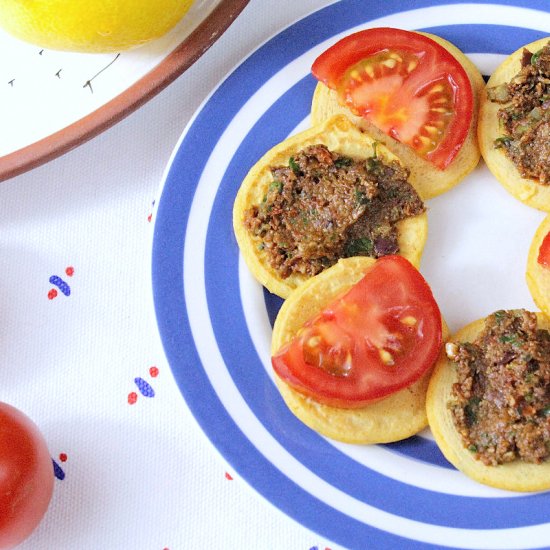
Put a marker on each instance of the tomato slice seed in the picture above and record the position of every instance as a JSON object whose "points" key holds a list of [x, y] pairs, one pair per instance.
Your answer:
{"points": [[386, 357], [409, 320]]}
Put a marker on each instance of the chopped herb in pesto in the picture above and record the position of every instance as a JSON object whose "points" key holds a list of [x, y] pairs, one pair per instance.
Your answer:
{"points": [[471, 410], [500, 315], [503, 141], [509, 339], [535, 57], [343, 161], [278, 185], [360, 247], [293, 166]]}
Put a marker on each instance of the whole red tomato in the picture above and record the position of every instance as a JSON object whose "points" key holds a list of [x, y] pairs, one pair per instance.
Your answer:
{"points": [[26, 476]]}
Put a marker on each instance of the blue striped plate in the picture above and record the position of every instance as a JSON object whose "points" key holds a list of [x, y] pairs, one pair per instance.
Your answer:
{"points": [[215, 320]]}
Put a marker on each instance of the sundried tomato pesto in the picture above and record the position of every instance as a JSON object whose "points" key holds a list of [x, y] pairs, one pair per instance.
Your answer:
{"points": [[325, 206], [525, 118], [501, 400]]}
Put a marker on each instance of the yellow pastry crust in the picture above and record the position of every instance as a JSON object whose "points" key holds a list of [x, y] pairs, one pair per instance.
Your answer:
{"points": [[397, 417], [528, 191], [428, 180], [340, 136], [513, 476], [538, 276]]}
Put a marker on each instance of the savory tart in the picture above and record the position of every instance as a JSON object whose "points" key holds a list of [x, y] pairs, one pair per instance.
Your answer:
{"points": [[326, 193], [488, 401], [353, 349], [415, 92], [538, 266], [514, 124]]}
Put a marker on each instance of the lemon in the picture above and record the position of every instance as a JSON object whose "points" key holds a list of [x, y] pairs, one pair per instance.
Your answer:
{"points": [[90, 25]]}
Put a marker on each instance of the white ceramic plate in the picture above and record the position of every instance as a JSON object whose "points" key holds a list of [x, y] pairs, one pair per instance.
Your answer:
{"points": [[51, 101], [215, 320]]}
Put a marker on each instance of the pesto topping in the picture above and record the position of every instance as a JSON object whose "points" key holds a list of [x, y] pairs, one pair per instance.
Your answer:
{"points": [[324, 206], [501, 399], [525, 116]]}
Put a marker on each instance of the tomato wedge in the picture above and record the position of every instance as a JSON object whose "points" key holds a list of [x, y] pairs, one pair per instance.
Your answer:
{"points": [[544, 252], [379, 337], [406, 84]]}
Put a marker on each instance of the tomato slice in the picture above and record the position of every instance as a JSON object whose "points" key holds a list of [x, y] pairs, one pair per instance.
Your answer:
{"points": [[544, 252], [379, 337], [406, 84]]}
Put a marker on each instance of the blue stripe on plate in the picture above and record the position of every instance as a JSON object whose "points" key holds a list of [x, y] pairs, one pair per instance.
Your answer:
{"points": [[421, 449], [486, 38]]}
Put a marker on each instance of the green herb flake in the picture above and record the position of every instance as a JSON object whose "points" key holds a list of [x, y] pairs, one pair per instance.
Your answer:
{"points": [[360, 196], [471, 410], [294, 166], [374, 165], [276, 185], [360, 247], [500, 315], [472, 448], [535, 57], [343, 161], [510, 339], [503, 141]]}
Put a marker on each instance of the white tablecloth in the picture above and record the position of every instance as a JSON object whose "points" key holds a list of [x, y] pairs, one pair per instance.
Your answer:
{"points": [[132, 471]]}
